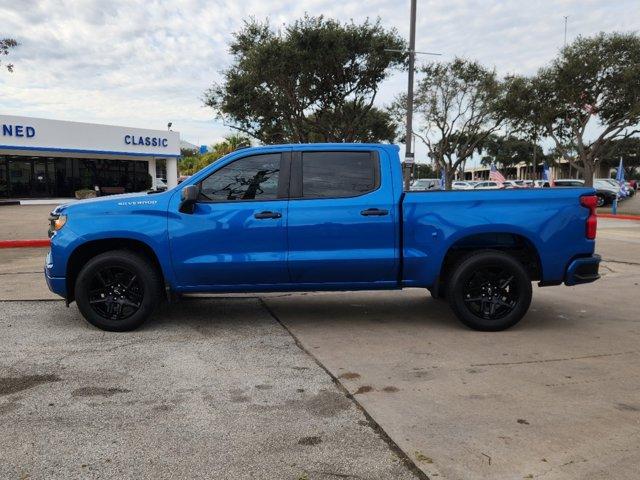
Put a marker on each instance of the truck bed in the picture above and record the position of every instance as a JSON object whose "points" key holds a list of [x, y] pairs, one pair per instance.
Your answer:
{"points": [[437, 223]]}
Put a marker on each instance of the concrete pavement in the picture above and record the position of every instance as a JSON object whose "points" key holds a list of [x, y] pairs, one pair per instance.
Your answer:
{"points": [[211, 388], [555, 397]]}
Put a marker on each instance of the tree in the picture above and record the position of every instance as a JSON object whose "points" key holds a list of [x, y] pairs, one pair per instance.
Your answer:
{"points": [[626, 148], [456, 103], [588, 97], [509, 150], [316, 80], [195, 162], [6, 44]]}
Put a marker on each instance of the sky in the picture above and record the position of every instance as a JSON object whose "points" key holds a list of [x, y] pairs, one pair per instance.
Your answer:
{"points": [[145, 63]]}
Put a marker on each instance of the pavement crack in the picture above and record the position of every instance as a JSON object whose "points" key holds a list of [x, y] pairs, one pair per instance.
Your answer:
{"points": [[393, 446], [550, 360]]}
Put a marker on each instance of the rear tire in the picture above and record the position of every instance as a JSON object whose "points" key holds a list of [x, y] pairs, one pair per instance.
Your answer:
{"points": [[601, 200], [489, 291], [118, 290]]}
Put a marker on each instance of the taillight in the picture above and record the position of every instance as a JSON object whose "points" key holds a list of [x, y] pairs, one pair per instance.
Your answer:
{"points": [[590, 202]]}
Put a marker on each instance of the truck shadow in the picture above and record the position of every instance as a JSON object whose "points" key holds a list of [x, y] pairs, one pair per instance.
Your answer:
{"points": [[410, 308]]}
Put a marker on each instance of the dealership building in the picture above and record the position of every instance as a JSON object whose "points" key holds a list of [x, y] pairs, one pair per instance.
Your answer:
{"points": [[53, 158]]}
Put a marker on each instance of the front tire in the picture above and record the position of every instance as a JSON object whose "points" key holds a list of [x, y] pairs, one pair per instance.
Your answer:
{"points": [[117, 290], [489, 291]]}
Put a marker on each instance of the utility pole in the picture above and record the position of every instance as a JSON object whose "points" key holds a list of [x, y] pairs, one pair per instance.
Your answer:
{"points": [[409, 156], [565, 45]]}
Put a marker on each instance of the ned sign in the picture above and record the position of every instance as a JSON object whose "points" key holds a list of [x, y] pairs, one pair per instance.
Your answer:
{"points": [[9, 130]]}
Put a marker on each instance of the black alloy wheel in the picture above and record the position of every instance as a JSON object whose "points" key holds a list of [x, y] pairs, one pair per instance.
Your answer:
{"points": [[115, 293], [118, 290], [489, 290], [491, 293]]}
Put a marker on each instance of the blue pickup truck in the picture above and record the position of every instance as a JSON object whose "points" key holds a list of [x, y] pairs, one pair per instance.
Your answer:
{"points": [[319, 217]]}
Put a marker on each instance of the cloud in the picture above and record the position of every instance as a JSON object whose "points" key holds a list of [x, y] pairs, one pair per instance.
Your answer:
{"points": [[144, 63]]}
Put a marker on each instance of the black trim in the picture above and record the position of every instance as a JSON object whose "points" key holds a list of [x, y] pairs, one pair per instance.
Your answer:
{"points": [[284, 178], [295, 190]]}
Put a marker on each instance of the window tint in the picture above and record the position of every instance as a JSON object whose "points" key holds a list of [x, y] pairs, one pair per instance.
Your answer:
{"points": [[338, 174], [249, 178]]}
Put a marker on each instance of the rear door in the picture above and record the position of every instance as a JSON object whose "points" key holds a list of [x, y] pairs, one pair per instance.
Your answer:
{"points": [[342, 219]]}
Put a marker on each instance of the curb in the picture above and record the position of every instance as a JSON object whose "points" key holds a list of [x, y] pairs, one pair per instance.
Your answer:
{"points": [[619, 217], [24, 243]]}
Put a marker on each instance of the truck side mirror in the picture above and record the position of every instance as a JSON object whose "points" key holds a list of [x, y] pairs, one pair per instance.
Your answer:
{"points": [[188, 198]]}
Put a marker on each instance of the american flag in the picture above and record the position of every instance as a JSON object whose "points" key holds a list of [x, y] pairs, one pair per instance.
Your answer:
{"points": [[495, 175]]}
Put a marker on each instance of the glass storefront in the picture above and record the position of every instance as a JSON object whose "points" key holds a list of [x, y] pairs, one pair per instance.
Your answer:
{"points": [[22, 176]]}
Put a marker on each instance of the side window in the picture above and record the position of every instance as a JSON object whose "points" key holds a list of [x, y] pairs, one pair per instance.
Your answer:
{"points": [[338, 174], [249, 178]]}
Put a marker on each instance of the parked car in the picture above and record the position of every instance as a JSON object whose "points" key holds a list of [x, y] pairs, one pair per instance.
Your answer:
{"points": [[604, 192], [459, 185], [489, 185], [607, 192], [425, 184], [308, 217], [511, 184], [160, 184]]}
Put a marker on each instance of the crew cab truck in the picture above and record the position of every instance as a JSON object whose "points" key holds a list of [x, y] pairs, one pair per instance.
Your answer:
{"points": [[319, 217]]}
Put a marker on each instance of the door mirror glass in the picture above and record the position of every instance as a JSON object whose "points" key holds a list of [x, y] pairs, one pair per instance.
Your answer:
{"points": [[188, 198]]}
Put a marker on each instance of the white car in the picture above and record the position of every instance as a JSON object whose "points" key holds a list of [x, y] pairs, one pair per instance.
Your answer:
{"points": [[458, 185], [160, 184], [489, 185], [425, 184], [511, 184]]}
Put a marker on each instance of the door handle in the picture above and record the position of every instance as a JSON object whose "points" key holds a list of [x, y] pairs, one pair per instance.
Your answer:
{"points": [[374, 212], [267, 214]]}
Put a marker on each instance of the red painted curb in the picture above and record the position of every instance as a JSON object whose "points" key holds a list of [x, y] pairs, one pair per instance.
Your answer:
{"points": [[620, 217], [24, 243]]}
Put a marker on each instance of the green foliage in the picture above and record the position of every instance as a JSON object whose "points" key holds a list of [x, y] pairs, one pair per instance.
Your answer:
{"points": [[191, 164], [456, 105], [626, 148], [509, 151], [6, 44], [593, 85], [316, 80], [424, 170]]}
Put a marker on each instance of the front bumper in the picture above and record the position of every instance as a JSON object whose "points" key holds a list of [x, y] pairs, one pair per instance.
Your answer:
{"points": [[57, 285], [582, 270]]}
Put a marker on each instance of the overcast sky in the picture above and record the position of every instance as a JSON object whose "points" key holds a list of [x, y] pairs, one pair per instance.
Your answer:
{"points": [[144, 63]]}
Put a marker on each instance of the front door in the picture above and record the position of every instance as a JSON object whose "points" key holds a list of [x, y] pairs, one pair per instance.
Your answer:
{"points": [[237, 233], [342, 220]]}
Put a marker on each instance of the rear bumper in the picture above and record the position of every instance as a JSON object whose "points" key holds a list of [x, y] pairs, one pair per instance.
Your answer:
{"points": [[582, 270]]}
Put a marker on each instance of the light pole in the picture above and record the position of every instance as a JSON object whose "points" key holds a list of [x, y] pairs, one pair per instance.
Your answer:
{"points": [[409, 156]]}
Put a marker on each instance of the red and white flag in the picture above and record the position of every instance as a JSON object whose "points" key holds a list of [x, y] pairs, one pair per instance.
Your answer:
{"points": [[495, 175]]}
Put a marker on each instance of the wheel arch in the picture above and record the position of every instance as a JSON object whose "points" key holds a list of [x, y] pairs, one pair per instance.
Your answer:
{"points": [[514, 244], [84, 252]]}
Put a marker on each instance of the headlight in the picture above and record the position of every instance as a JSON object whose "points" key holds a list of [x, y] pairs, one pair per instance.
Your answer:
{"points": [[56, 222], [59, 222]]}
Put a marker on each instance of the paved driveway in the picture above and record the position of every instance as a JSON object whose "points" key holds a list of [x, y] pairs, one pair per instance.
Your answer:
{"points": [[210, 389]]}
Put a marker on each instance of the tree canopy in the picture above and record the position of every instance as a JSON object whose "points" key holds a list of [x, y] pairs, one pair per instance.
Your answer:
{"points": [[587, 97], [6, 45], [316, 80], [456, 110], [509, 150], [193, 161]]}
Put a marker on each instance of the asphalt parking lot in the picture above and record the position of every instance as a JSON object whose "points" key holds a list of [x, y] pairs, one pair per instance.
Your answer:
{"points": [[325, 385]]}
